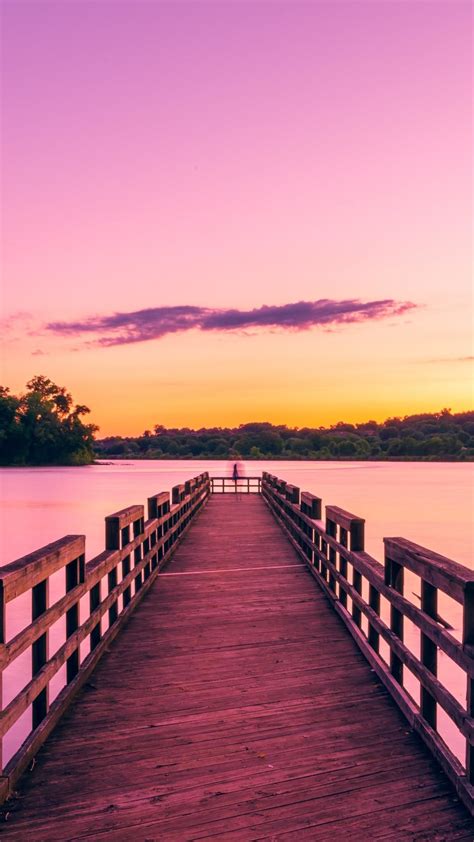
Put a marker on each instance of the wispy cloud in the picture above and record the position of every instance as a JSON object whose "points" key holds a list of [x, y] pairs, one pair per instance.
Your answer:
{"points": [[14, 327], [156, 322], [467, 359]]}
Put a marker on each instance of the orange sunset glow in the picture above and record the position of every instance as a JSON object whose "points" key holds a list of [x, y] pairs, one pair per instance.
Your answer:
{"points": [[280, 234]]}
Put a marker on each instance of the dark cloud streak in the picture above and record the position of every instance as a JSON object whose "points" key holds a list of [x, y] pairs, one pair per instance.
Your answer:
{"points": [[156, 322], [468, 359]]}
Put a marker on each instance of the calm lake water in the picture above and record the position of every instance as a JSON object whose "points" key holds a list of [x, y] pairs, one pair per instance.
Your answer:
{"points": [[429, 503]]}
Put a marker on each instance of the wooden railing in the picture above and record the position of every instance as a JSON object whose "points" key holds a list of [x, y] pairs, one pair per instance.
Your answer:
{"points": [[113, 583], [99, 596], [228, 485], [356, 583]]}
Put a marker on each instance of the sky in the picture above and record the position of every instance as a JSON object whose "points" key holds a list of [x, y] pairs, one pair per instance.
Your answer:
{"points": [[215, 213]]}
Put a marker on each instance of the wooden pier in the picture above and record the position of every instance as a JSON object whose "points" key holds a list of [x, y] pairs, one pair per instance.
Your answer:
{"points": [[234, 704]]}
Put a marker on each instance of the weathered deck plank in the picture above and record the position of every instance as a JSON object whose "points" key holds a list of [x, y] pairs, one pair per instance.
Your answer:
{"points": [[235, 706]]}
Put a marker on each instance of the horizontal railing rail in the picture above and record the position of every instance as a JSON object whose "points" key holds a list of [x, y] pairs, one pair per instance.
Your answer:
{"points": [[229, 485], [113, 583], [356, 583]]}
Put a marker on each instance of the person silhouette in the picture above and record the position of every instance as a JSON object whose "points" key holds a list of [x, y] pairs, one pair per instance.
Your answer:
{"points": [[235, 475]]}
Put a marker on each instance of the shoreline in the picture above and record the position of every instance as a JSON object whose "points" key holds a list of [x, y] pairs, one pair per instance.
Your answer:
{"points": [[109, 460]]}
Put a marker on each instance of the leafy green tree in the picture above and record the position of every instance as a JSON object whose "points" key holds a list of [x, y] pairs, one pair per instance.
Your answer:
{"points": [[428, 436], [44, 427], [388, 432], [12, 434], [346, 448]]}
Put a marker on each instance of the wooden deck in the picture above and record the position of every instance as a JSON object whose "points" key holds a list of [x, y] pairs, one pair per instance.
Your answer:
{"points": [[235, 706]]}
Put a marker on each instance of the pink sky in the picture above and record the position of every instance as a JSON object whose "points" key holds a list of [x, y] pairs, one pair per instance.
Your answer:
{"points": [[230, 156]]}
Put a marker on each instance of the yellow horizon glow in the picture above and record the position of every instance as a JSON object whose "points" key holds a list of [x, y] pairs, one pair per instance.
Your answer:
{"points": [[311, 378], [354, 373]]}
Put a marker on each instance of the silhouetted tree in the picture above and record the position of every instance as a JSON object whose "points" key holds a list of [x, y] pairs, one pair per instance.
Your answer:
{"points": [[44, 427], [440, 436]]}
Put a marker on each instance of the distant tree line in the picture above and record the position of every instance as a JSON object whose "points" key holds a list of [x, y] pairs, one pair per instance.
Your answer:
{"points": [[440, 436], [44, 427]]}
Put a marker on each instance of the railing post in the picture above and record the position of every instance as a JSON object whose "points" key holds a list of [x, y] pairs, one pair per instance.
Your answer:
{"points": [[123, 540], [127, 594], [374, 602], [115, 538], [138, 528], [311, 506], [357, 544], [331, 529], [343, 565], [347, 531], [74, 575], [429, 651], [112, 579], [394, 578], [293, 494], [468, 640], [147, 567], [121, 529], [94, 602], [112, 534], [39, 649]]}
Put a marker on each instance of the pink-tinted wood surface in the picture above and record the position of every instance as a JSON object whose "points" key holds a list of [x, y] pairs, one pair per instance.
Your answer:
{"points": [[235, 706]]}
